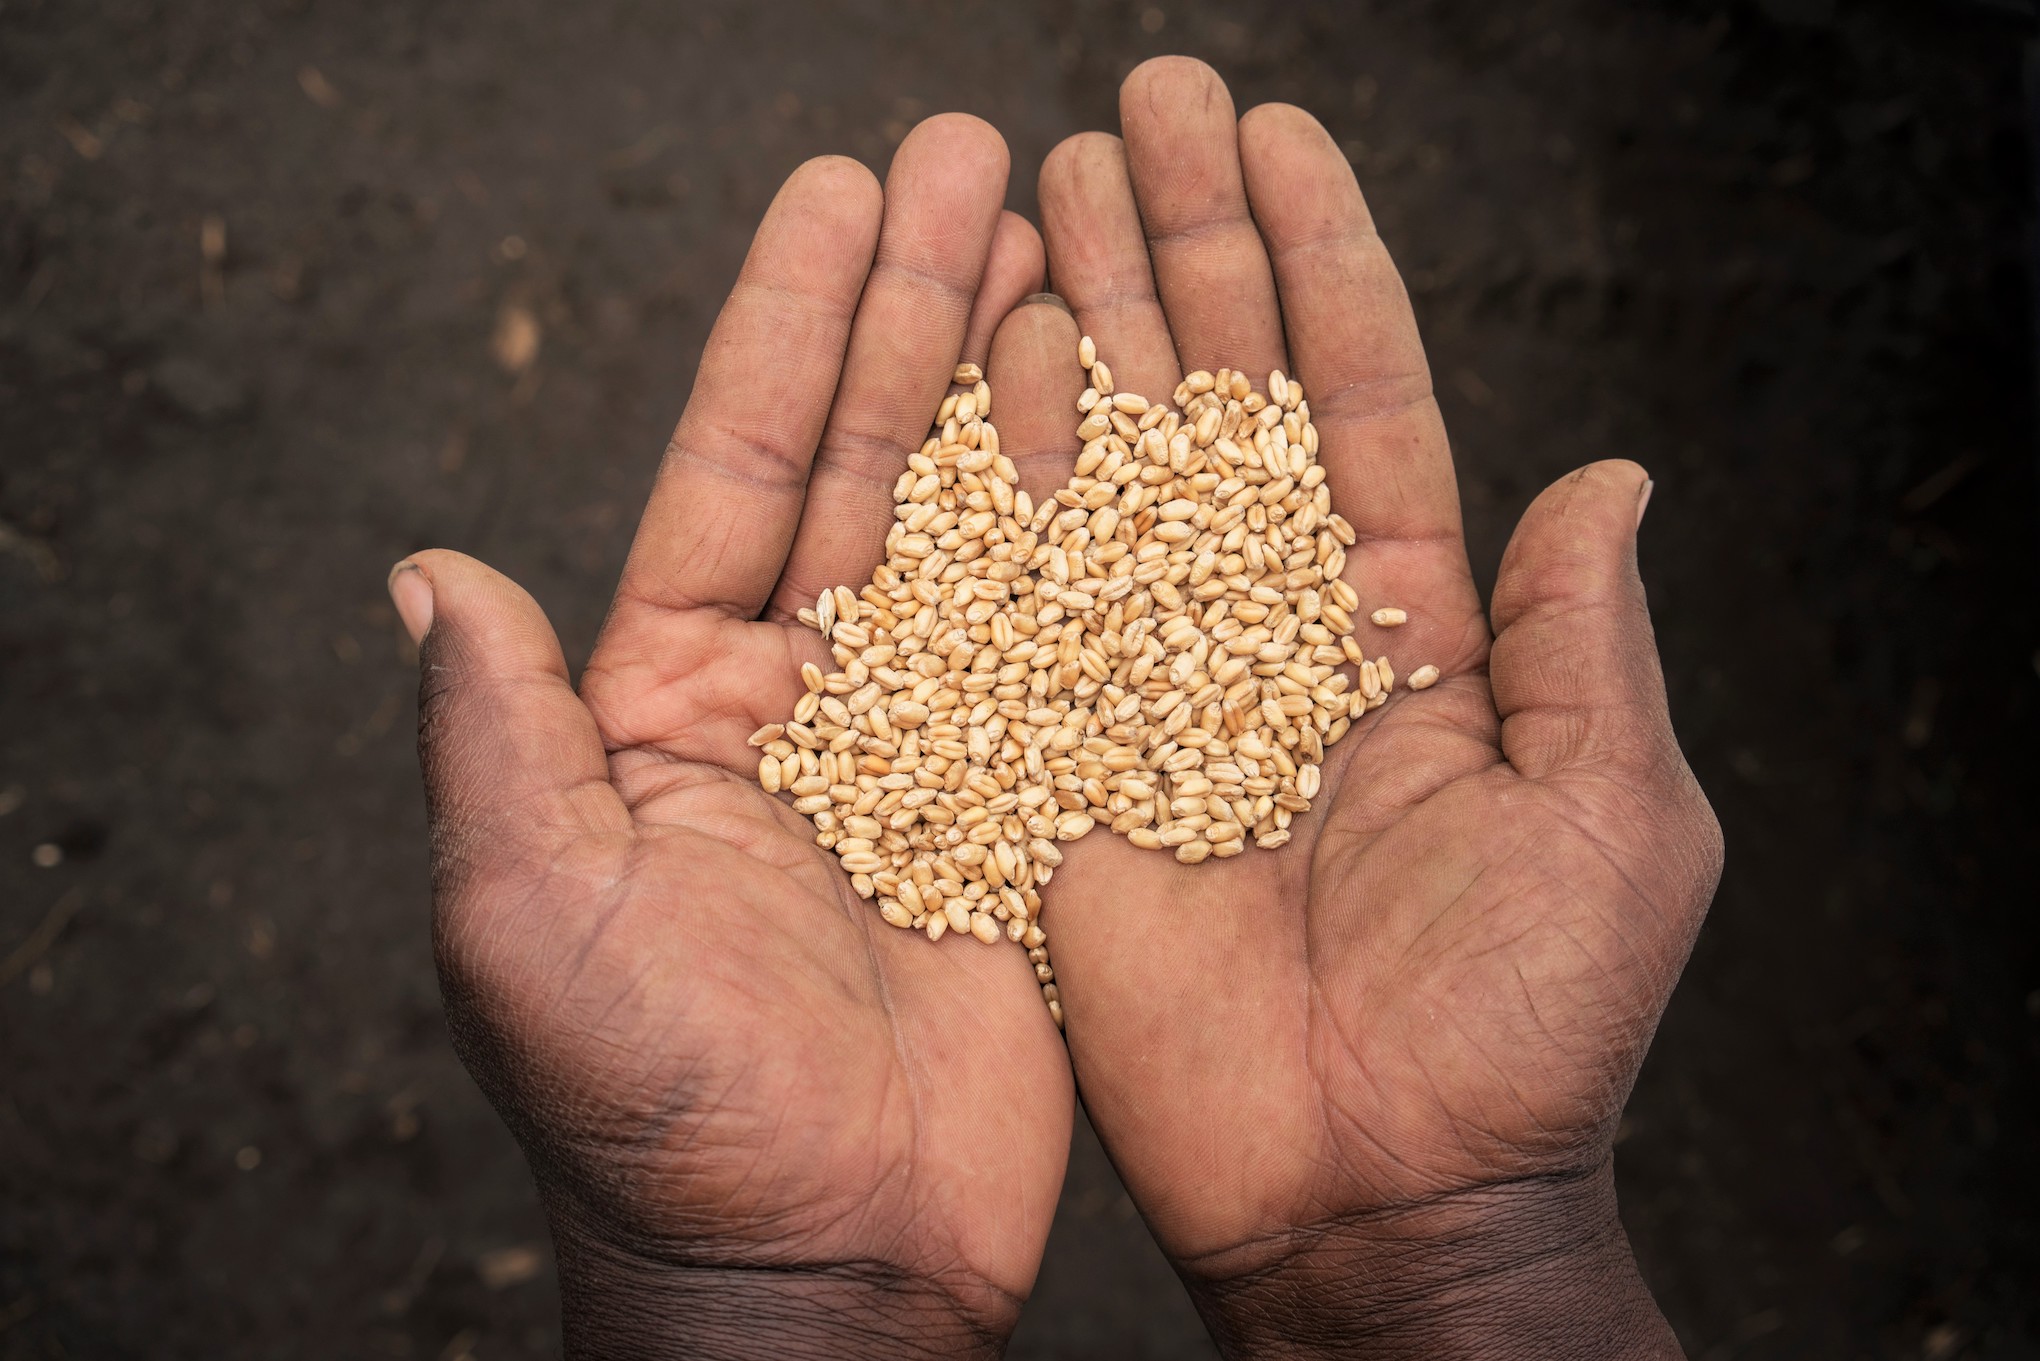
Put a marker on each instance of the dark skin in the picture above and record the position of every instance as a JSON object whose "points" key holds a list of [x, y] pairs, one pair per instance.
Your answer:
{"points": [[1362, 1088]]}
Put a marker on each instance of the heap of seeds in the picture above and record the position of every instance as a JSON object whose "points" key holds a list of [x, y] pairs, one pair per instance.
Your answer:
{"points": [[1156, 648]]}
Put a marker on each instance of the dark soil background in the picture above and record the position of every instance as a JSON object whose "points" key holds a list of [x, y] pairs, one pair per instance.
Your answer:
{"points": [[252, 257]]}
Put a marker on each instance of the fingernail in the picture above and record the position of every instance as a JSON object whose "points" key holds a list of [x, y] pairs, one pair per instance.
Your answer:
{"points": [[1643, 501], [1052, 299], [411, 593]]}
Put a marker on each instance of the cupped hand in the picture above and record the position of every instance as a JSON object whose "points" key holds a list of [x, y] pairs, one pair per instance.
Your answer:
{"points": [[1364, 1087], [759, 1117]]}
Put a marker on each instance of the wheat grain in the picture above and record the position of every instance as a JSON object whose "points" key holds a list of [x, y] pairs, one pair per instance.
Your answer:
{"points": [[1163, 646]]}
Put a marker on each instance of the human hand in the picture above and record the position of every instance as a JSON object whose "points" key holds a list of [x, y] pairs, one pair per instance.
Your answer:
{"points": [[760, 1119], [1364, 1088]]}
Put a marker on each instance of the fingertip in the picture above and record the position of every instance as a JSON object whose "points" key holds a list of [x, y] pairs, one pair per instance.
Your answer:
{"points": [[471, 605], [1166, 86], [1276, 120], [1627, 478], [1300, 182], [1039, 321], [443, 567], [434, 561], [841, 182], [961, 142], [1063, 169], [1605, 489], [1632, 477], [1018, 258], [1048, 330], [1623, 471], [411, 592], [1577, 540], [821, 229], [847, 174], [1283, 141]]}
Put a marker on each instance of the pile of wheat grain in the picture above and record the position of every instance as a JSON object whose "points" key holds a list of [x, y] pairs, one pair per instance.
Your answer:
{"points": [[1158, 647]]}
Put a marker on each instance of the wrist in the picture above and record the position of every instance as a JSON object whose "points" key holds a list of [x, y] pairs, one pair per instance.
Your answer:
{"points": [[1529, 1269], [619, 1303]]}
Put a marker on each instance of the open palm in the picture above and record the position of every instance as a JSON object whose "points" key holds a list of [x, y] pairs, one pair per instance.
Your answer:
{"points": [[1444, 984], [718, 1059]]}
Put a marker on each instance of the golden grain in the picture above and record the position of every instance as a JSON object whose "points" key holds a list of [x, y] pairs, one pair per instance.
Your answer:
{"points": [[1156, 647]]}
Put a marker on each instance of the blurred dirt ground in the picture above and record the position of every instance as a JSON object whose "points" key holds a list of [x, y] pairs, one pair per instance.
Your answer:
{"points": [[287, 291]]}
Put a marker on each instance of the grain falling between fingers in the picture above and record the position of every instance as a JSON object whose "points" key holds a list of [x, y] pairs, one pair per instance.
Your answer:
{"points": [[1163, 646]]}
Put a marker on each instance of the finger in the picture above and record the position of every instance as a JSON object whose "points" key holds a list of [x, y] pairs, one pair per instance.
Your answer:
{"points": [[942, 210], [729, 492], [1015, 268], [513, 763], [1575, 667], [1355, 345], [1211, 269], [1036, 380], [1098, 262]]}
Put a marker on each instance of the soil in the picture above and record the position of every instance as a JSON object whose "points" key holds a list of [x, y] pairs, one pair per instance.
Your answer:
{"points": [[252, 255]]}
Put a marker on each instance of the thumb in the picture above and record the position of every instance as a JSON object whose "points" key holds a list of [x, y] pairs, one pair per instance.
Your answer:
{"points": [[1575, 666], [513, 762]]}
